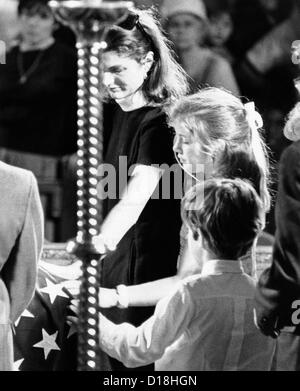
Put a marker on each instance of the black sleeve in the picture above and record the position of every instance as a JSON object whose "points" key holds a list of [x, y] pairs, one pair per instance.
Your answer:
{"points": [[70, 74], [156, 141], [279, 285]]}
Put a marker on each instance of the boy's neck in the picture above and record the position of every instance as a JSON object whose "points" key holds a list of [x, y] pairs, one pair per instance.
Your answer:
{"points": [[210, 256]]}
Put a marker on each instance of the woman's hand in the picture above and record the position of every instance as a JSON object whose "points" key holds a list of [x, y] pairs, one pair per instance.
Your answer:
{"points": [[108, 298], [102, 245]]}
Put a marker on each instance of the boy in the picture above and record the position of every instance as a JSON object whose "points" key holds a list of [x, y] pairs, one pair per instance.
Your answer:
{"points": [[207, 323]]}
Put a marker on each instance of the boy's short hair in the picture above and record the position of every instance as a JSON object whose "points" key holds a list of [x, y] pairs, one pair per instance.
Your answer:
{"points": [[228, 213]]}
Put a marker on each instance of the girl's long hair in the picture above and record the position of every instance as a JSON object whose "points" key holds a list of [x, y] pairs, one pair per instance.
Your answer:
{"points": [[219, 125]]}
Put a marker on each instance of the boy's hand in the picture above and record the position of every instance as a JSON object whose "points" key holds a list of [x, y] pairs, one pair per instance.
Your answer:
{"points": [[268, 326]]}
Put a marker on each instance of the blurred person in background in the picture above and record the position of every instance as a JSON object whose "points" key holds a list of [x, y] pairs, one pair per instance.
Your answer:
{"points": [[220, 27], [267, 68], [38, 88], [252, 19], [266, 74], [187, 26]]}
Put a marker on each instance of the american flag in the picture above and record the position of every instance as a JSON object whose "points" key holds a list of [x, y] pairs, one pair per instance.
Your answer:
{"points": [[43, 339]]}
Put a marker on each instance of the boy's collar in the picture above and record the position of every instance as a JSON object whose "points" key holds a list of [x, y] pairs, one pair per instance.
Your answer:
{"points": [[220, 266]]}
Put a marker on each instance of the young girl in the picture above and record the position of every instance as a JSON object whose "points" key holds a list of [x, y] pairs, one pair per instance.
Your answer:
{"points": [[142, 77], [214, 130]]}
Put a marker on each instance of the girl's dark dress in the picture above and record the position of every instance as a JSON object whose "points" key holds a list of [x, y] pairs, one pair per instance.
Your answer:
{"points": [[149, 250]]}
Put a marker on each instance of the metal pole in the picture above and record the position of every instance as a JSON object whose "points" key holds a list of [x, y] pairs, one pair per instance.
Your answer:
{"points": [[89, 20]]}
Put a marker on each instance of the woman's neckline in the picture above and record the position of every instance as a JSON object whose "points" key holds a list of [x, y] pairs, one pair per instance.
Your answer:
{"points": [[132, 102]]}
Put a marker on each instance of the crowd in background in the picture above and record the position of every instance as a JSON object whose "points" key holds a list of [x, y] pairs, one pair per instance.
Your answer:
{"points": [[241, 45]]}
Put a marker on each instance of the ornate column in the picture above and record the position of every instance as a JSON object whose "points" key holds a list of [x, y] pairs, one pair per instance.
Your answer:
{"points": [[89, 20]]}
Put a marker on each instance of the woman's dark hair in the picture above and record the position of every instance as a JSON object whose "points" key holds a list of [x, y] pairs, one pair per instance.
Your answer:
{"points": [[166, 81], [227, 212]]}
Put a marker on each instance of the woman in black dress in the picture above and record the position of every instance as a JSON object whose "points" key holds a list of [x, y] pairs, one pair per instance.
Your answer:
{"points": [[38, 86], [142, 77]]}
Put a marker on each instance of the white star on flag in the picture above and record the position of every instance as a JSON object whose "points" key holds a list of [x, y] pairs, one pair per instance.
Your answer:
{"points": [[17, 364], [25, 314], [53, 290], [47, 343]]}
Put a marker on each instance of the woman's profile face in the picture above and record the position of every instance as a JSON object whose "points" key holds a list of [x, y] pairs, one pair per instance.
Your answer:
{"points": [[122, 76], [186, 30], [36, 26]]}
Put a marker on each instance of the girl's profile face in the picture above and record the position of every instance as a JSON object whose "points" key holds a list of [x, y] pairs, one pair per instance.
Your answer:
{"points": [[188, 150], [36, 25], [122, 76], [186, 30]]}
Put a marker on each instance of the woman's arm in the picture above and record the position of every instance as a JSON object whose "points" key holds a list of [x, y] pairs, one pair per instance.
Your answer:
{"points": [[148, 294], [125, 214]]}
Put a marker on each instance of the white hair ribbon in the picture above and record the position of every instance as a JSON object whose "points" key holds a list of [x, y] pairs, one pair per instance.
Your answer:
{"points": [[254, 118]]}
